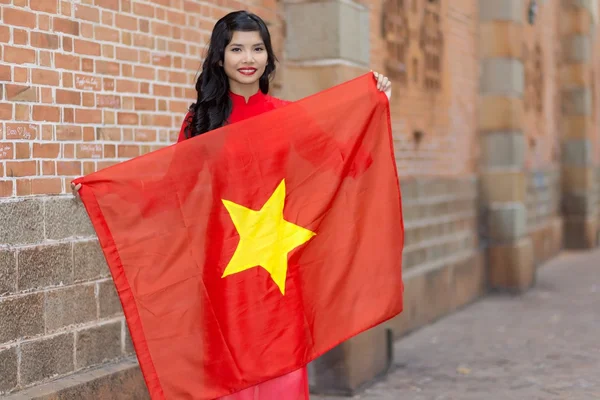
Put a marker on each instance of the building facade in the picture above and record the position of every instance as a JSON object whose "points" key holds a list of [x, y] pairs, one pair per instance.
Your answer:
{"points": [[496, 121]]}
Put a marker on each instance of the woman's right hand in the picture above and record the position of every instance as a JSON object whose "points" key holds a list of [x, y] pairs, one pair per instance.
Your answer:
{"points": [[75, 190]]}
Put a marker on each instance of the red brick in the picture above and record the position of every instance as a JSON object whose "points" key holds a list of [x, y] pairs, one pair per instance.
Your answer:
{"points": [[127, 54], [46, 186], [44, 22], [6, 111], [126, 22], [48, 167], [88, 100], [84, 116], [6, 188], [109, 101], [87, 65], [143, 10], [24, 187], [89, 167], [108, 84], [108, 51], [49, 6], [46, 95], [106, 67], [22, 112], [4, 34], [86, 30], [110, 134], [21, 168], [20, 37], [68, 167], [176, 18], [110, 4], [67, 44], [46, 150], [7, 151], [192, 6], [44, 40], [86, 47], [68, 97], [48, 132], [45, 77], [17, 17], [107, 34], [177, 77], [144, 25], [68, 115], [125, 118], [21, 131], [5, 74], [141, 72], [87, 13], [65, 8], [22, 150], [21, 93], [143, 103], [85, 82], [46, 113], [16, 55], [45, 58], [145, 135], [89, 134], [66, 61], [21, 74], [110, 151], [140, 40], [164, 60], [85, 150], [65, 26], [128, 151], [68, 150], [126, 86], [162, 120], [69, 132]]}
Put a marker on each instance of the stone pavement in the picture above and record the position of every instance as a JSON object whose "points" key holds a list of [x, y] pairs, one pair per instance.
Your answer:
{"points": [[542, 345]]}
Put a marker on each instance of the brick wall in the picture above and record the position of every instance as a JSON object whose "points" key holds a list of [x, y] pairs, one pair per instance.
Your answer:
{"points": [[83, 85]]}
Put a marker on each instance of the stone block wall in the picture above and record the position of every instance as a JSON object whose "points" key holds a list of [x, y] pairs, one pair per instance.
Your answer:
{"points": [[443, 267], [58, 306], [544, 220]]}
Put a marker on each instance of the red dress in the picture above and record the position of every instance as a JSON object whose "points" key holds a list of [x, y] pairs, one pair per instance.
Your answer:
{"points": [[293, 386]]}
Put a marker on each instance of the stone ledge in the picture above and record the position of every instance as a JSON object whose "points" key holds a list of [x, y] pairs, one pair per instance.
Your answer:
{"points": [[121, 381], [435, 290]]}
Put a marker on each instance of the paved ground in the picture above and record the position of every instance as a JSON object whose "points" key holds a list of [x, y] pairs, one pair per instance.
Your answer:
{"points": [[542, 345]]}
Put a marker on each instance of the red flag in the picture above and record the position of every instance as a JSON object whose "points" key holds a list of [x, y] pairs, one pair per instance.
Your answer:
{"points": [[243, 254]]}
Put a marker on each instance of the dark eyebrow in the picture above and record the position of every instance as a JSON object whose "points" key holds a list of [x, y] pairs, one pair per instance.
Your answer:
{"points": [[241, 45]]}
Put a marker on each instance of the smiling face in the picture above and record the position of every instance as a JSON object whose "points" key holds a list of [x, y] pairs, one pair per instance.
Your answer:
{"points": [[245, 61]]}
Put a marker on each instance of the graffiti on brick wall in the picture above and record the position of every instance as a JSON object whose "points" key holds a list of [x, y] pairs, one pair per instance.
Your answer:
{"points": [[414, 39], [534, 77], [431, 42], [397, 36]]}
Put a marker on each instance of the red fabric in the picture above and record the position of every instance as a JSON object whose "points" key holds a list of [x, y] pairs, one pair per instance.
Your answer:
{"points": [[167, 238], [292, 386]]}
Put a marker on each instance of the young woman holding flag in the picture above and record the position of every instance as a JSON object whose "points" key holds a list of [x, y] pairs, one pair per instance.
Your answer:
{"points": [[233, 86]]}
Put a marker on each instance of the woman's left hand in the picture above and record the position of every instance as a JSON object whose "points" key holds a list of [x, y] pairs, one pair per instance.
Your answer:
{"points": [[383, 84]]}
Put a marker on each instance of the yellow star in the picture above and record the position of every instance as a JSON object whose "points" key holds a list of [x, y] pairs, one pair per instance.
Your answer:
{"points": [[265, 237]]}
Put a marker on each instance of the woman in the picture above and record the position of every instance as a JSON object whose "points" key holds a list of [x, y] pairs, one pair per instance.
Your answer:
{"points": [[233, 86]]}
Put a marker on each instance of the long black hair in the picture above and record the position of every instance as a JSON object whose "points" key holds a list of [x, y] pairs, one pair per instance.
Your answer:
{"points": [[213, 105]]}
